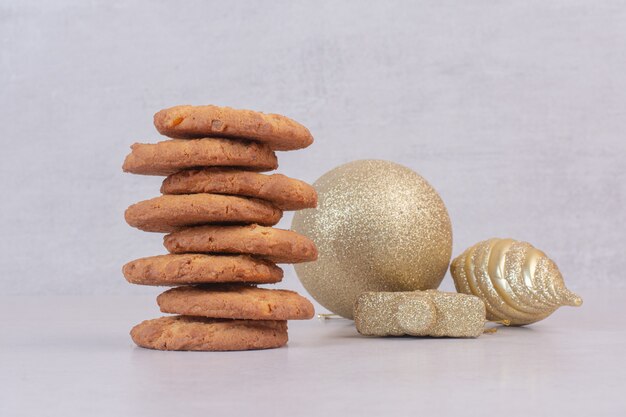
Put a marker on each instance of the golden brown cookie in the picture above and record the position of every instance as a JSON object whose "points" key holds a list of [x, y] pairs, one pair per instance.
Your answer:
{"points": [[199, 333], [186, 122], [185, 269], [277, 245], [172, 212], [236, 302], [167, 157], [284, 192]]}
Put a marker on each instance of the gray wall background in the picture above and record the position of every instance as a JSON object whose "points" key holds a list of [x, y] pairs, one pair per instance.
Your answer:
{"points": [[514, 111]]}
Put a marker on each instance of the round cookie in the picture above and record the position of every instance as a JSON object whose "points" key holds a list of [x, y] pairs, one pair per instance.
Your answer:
{"points": [[167, 157], [284, 192], [194, 268], [279, 132], [204, 334], [172, 212], [236, 302], [277, 245]]}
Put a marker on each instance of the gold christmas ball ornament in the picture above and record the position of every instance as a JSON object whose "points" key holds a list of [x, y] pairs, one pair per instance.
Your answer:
{"points": [[518, 283], [378, 226]]}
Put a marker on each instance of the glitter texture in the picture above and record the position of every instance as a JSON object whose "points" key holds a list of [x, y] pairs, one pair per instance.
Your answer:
{"points": [[517, 282], [419, 313], [378, 227]]}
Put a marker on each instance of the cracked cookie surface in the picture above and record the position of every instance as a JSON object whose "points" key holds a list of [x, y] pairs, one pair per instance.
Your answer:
{"points": [[204, 334], [279, 132], [277, 245], [168, 213], [236, 302], [195, 268], [284, 192], [170, 156]]}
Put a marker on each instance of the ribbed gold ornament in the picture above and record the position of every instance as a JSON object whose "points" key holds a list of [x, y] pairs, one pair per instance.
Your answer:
{"points": [[517, 282]]}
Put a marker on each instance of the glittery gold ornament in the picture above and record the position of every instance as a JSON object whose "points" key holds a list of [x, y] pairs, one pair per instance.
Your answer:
{"points": [[517, 282], [419, 313], [378, 226]]}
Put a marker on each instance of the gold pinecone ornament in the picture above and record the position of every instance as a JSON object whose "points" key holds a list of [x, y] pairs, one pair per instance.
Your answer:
{"points": [[518, 283]]}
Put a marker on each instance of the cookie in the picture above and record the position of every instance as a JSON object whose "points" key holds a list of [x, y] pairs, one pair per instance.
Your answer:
{"points": [[170, 156], [186, 122], [172, 270], [172, 212], [284, 192], [236, 302], [198, 333], [277, 245]]}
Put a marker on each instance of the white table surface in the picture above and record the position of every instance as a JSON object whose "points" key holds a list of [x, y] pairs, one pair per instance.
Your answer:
{"points": [[72, 356]]}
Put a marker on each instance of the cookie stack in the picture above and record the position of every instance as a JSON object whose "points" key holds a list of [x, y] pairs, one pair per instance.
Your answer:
{"points": [[218, 209]]}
